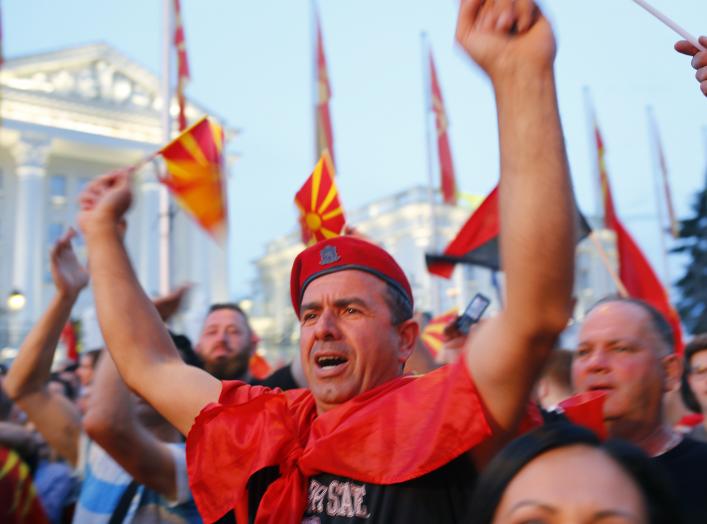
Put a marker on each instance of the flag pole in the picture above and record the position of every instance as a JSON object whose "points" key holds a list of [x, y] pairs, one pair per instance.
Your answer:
{"points": [[314, 15], [166, 88], [591, 122], [659, 170], [604, 257], [435, 301], [663, 165]]}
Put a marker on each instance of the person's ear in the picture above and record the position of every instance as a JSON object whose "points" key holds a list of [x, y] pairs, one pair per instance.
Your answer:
{"points": [[672, 367], [408, 331]]}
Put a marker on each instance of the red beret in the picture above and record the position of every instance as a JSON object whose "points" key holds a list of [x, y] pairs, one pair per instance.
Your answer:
{"points": [[342, 253]]}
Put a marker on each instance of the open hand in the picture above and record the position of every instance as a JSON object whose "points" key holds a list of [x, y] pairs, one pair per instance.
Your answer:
{"points": [[69, 276]]}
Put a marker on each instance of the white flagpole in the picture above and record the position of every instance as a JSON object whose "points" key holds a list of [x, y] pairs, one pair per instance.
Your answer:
{"points": [[596, 184], [657, 179], [671, 24], [166, 89], [435, 301]]}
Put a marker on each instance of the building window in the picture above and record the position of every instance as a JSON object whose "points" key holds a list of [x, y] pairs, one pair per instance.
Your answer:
{"points": [[57, 189], [81, 183], [56, 229]]}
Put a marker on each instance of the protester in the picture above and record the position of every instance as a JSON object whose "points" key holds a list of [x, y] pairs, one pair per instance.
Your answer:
{"points": [[694, 383], [226, 342], [555, 384], [88, 360], [626, 349], [365, 443], [135, 471], [562, 473], [699, 60], [19, 503]]}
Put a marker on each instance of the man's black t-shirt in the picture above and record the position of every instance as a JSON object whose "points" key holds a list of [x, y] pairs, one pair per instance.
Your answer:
{"points": [[281, 378], [686, 466], [442, 496]]}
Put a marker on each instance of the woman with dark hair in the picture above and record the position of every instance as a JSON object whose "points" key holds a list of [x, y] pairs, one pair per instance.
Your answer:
{"points": [[693, 387], [563, 473]]}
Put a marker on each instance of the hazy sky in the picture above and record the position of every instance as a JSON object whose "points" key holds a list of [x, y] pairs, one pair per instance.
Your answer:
{"points": [[251, 64]]}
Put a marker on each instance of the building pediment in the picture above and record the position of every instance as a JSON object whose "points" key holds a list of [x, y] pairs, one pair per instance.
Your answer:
{"points": [[96, 75]]}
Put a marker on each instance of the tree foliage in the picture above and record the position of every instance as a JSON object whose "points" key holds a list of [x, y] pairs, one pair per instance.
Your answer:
{"points": [[692, 242]]}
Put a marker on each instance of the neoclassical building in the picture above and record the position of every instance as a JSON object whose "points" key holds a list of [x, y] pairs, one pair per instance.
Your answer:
{"points": [[66, 117]]}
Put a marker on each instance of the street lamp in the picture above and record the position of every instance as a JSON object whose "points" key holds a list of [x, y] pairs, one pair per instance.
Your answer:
{"points": [[16, 300]]}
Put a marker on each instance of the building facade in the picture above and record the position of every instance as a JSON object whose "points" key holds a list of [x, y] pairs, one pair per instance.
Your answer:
{"points": [[66, 117], [404, 225]]}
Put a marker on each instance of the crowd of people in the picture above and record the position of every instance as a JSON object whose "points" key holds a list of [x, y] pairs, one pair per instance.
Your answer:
{"points": [[149, 429]]}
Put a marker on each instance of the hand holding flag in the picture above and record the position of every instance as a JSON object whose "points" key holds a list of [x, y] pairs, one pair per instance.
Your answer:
{"points": [[321, 215]]}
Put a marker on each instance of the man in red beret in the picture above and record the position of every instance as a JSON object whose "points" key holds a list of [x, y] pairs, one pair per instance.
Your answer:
{"points": [[365, 443]]}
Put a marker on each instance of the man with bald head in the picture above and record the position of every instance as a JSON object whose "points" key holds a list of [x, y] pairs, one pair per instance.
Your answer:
{"points": [[626, 350]]}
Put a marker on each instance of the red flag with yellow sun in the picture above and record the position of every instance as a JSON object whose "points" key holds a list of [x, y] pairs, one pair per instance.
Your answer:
{"points": [[321, 215], [433, 335], [195, 174]]}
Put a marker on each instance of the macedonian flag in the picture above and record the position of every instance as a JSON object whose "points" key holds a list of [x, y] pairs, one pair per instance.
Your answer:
{"points": [[195, 174], [433, 335], [321, 215]]}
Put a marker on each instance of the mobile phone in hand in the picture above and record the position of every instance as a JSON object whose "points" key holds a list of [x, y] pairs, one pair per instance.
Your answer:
{"points": [[472, 314]]}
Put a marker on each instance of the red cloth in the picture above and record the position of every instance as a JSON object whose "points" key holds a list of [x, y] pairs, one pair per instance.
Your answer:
{"points": [[587, 409], [19, 503], [401, 430]]}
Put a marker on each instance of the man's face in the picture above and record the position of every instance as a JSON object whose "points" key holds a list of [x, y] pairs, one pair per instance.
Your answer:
{"points": [[348, 344], [85, 369], [697, 378], [225, 344], [620, 353]]}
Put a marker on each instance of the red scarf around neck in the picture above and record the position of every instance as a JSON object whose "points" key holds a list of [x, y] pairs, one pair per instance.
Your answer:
{"points": [[398, 431]]}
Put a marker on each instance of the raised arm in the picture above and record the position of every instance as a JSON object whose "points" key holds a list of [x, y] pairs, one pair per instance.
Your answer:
{"points": [[514, 44], [54, 416], [131, 326], [112, 421]]}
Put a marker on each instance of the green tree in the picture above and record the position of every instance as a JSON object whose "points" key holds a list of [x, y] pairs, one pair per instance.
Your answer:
{"points": [[692, 241]]}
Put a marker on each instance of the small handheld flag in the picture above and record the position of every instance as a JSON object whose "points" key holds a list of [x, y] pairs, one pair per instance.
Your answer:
{"points": [[433, 336], [195, 174], [321, 215]]}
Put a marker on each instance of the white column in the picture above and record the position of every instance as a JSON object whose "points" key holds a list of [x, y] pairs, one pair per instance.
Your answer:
{"points": [[148, 222], [30, 155]]}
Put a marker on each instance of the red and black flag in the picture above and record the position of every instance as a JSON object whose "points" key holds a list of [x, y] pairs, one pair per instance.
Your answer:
{"points": [[476, 242]]}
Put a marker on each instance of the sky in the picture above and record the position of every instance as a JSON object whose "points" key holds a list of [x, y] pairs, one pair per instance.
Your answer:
{"points": [[251, 64]]}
